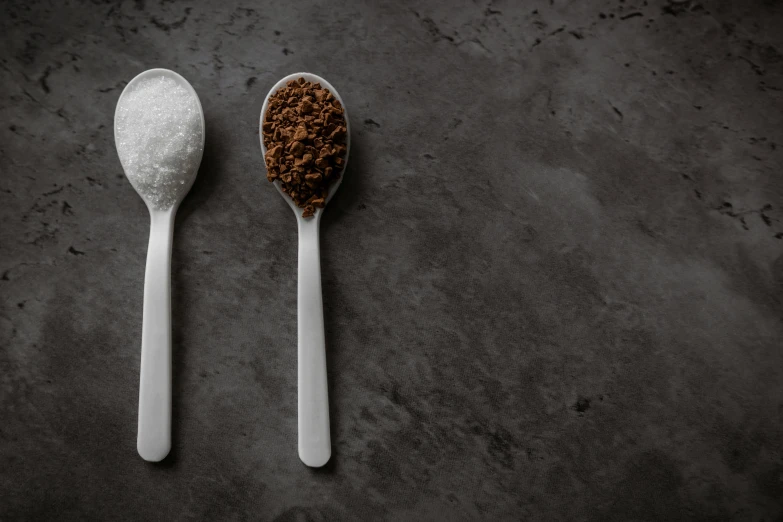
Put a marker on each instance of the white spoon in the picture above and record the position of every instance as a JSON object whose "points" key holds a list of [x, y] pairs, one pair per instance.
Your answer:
{"points": [[154, 435], [315, 445]]}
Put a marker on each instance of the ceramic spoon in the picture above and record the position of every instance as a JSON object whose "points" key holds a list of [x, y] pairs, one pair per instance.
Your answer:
{"points": [[314, 440], [154, 435]]}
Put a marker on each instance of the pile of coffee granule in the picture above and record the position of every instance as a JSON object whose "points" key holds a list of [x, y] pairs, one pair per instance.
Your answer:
{"points": [[304, 133]]}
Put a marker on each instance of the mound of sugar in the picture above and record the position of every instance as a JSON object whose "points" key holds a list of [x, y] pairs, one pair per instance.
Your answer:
{"points": [[159, 139]]}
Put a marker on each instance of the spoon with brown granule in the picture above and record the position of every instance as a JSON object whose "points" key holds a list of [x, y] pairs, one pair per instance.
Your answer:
{"points": [[305, 138]]}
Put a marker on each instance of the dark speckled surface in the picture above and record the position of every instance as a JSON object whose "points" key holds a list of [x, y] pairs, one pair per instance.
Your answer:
{"points": [[552, 277]]}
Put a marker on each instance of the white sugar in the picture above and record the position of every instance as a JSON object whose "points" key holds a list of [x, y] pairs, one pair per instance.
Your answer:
{"points": [[159, 139]]}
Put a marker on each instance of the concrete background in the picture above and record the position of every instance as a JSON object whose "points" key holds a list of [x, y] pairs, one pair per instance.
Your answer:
{"points": [[552, 277]]}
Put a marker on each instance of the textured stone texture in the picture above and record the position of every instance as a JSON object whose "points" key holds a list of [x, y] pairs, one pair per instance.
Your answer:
{"points": [[552, 277]]}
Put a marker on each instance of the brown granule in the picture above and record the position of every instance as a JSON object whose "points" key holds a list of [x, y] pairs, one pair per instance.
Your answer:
{"points": [[304, 133]]}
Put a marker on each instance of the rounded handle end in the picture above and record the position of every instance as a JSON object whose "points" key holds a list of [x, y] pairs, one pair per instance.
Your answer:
{"points": [[153, 450], [315, 457]]}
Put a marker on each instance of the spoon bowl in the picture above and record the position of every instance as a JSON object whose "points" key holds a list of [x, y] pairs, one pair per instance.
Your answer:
{"points": [[336, 184], [182, 82]]}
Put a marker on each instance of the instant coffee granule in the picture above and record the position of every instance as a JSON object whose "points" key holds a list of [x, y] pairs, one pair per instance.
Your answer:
{"points": [[304, 132]]}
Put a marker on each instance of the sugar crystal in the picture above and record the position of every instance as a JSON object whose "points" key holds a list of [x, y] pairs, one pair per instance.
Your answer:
{"points": [[159, 139]]}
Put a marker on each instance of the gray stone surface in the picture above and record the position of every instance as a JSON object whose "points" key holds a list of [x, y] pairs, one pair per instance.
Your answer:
{"points": [[552, 276]]}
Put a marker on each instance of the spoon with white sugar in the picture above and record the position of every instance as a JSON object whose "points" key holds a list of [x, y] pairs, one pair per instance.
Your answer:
{"points": [[314, 439], [159, 134]]}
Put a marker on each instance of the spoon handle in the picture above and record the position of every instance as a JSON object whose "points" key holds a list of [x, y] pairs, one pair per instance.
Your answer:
{"points": [[154, 436], [314, 440]]}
